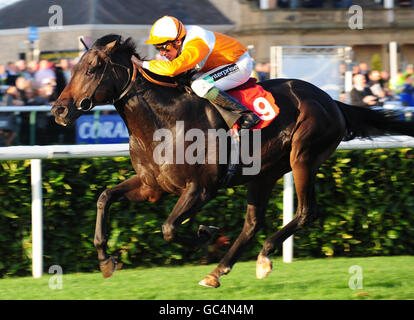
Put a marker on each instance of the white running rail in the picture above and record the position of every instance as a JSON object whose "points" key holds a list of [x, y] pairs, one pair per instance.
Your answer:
{"points": [[116, 150]]}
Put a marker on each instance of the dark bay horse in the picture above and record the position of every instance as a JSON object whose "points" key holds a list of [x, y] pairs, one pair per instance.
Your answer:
{"points": [[306, 132]]}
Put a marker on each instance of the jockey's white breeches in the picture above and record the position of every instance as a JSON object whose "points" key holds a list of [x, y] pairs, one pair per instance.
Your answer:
{"points": [[224, 77]]}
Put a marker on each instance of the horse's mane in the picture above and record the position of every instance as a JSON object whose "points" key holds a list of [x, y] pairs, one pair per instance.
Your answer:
{"points": [[128, 47]]}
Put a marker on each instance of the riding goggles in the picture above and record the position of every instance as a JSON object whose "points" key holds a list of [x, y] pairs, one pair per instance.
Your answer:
{"points": [[165, 47]]}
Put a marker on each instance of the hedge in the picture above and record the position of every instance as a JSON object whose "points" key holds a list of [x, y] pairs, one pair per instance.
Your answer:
{"points": [[365, 200]]}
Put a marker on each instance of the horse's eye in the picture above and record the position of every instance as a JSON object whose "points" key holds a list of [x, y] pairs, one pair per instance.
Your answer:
{"points": [[91, 71]]}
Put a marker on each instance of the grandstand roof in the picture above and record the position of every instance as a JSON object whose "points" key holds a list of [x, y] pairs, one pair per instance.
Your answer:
{"points": [[26, 13]]}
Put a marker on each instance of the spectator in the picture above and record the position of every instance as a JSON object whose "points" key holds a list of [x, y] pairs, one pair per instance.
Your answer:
{"points": [[374, 84], [33, 98], [22, 69], [12, 74], [32, 68], [385, 79], [12, 97], [355, 69], [44, 73], [363, 69], [66, 67], [397, 83], [7, 129], [263, 71], [360, 94], [21, 85], [60, 80], [3, 75], [47, 90], [407, 94], [409, 69], [266, 71]]}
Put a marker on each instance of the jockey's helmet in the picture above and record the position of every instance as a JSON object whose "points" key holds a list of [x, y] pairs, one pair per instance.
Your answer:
{"points": [[166, 29]]}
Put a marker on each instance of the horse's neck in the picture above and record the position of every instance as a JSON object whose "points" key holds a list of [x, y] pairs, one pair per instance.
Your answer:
{"points": [[151, 109], [143, 116]]}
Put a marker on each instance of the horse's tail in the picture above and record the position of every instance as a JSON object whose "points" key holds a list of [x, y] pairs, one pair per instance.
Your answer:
{"points": [[370, 122]]}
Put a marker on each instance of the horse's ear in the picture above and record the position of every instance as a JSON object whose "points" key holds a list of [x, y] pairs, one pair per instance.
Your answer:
{"points": [[110, 47]]}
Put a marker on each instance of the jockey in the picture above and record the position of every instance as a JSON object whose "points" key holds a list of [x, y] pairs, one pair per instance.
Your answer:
{"points": [[222, 62]]}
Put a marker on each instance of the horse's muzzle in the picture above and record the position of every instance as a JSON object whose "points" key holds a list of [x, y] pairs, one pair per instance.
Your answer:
{"points": [[60, 112]]}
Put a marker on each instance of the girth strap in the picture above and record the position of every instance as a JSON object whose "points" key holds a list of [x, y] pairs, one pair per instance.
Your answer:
{"points": [[234, 157]]}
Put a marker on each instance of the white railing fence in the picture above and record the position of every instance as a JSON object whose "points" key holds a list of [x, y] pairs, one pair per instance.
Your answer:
{"points": [[36, 153]]}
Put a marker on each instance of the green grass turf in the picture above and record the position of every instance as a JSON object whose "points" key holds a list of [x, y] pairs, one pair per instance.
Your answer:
{"points": [[386, 278]]}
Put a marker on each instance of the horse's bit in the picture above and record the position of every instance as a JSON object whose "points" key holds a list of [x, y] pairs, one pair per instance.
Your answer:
{"points": [[86, 104]]}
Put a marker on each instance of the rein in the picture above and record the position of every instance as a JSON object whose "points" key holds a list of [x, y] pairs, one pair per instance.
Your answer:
{"points": [[151, 79], [87, 104]]}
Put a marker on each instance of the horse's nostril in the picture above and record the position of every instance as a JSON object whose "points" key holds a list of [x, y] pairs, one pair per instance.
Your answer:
{"points": [[60, 110]]}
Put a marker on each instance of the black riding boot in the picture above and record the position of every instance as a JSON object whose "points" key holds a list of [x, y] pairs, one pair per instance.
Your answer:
{"points": [[222, 99]]}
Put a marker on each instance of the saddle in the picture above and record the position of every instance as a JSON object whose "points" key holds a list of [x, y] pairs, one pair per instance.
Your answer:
{"points": [[254, 97]]}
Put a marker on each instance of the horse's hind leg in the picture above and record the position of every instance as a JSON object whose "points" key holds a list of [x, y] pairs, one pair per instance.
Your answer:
{"points": [[314, 141], [259, 192], [135, 191], [304, 184]]}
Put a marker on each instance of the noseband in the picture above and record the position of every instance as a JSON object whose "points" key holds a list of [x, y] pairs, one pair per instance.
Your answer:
{"points": [[86, 104]]}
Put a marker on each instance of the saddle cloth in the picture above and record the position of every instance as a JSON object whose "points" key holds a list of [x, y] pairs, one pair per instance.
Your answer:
{"points": [[254, 97]]}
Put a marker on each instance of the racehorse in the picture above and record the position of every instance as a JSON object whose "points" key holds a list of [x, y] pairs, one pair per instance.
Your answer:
{"points": [[305, 133]]}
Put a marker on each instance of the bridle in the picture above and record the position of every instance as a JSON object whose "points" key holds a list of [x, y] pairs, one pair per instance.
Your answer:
{"points": [[86, 104]]}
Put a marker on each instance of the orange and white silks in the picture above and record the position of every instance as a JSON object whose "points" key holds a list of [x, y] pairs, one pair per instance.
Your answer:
{"points": [[202, 49]]}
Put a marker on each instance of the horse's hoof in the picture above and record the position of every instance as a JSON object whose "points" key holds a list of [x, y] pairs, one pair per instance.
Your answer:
{"points": [[210, 281], [109, 266], [263, 267]]}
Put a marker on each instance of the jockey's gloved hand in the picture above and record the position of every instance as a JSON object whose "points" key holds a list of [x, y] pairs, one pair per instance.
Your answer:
{"points": [[136, 61]]}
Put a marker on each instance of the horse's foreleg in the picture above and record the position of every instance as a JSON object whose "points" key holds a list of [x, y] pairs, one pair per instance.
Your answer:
{"points": [[189, 203], [258, 196], [132, 189]]}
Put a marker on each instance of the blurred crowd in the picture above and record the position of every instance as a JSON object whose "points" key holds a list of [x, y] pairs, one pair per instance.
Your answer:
{"points": [[35, 83], [376, 88], [370, 87], [40, 83], [30, 84]]}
